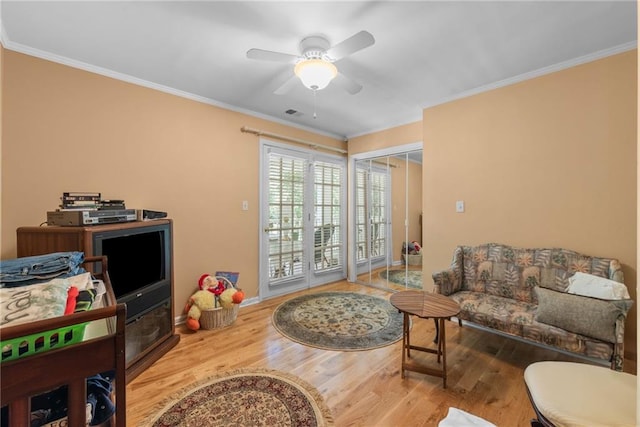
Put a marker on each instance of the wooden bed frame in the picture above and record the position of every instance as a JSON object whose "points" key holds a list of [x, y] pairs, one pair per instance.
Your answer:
{"points": [[33, 375]]}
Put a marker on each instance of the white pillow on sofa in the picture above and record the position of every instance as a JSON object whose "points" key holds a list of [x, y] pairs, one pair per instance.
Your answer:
{"points": [[597, 287]]}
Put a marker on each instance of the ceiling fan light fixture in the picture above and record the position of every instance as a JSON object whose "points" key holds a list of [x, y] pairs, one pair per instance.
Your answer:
{"points": [[315, 73]]}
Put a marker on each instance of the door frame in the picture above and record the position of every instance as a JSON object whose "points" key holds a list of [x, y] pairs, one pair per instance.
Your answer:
{"points": [[352, 264], [311, 278]]}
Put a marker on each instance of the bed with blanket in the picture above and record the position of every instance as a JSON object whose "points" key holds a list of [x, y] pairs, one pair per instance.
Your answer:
{"points": [[63, 360]]}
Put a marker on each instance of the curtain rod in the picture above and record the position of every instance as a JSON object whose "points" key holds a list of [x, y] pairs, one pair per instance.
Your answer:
{"points": [[246, 129]]}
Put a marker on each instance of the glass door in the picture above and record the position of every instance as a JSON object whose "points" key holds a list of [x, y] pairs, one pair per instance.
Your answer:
{"points": [[329, 217], [372, 214], [387, 206], [406, 271], [285, 229], [302, 243]]}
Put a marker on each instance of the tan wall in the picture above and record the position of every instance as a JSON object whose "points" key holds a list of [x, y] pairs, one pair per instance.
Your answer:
{"points": [[400, 135], [71, 130], [549, 162]]}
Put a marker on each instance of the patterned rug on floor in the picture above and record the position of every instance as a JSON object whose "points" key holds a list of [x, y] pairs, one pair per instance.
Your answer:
{"points": [[345, 321], [413, 278], [244, 397]]}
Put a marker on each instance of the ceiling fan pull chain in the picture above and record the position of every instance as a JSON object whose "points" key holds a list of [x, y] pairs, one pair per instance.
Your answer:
{"points": [[314, 103]]}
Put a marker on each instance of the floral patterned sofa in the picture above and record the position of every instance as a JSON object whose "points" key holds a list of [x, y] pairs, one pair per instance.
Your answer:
{"points": [[510, 289]]}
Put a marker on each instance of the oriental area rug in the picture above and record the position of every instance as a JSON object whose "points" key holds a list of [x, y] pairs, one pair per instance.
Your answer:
{"points": [[411, 278], [344, 321], [244, 397]]}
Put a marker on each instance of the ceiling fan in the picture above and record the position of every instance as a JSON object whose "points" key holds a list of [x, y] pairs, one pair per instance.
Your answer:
{"points": [[315, 64]]}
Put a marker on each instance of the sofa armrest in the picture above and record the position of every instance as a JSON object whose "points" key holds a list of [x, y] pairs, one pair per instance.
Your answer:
{"points": [[449, 281], [617, 359], [446, 282], [615, 271]]}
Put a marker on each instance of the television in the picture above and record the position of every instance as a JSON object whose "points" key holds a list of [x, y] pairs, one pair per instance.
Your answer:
{"points": [[139, 265]]}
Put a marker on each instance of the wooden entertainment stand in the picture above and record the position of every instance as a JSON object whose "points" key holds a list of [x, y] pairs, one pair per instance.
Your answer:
{"points": [[141, 352]]}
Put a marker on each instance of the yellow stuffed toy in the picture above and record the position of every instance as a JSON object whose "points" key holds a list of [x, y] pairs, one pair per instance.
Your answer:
{"points": [[201, 300]]}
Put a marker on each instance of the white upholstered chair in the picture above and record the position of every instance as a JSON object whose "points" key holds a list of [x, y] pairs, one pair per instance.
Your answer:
{"points": [[567, 394]]}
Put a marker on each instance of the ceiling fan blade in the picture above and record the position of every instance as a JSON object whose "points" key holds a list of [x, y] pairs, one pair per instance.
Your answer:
{"points": [[351, 45], [347, 84], [287, 85], [267, 55]]}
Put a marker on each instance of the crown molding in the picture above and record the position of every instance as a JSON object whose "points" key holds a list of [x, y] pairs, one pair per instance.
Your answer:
{"points": [[140, 82], [17, 47], [512, 80], [539, 72], [3, 33], [412, 119]]}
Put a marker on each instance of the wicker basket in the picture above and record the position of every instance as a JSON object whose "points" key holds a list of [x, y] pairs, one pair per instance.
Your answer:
{"points": [[412, 259], [219, 317]]}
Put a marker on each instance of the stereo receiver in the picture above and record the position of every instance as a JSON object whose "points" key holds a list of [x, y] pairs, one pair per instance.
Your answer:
{"points": [[90, 217]]}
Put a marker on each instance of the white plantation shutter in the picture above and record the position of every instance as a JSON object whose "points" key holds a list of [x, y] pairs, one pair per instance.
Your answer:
{"points": [[286, 215], [328, 231]]}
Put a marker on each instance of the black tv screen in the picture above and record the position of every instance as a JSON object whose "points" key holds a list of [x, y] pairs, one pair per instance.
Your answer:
{"points": [[135, 261], [139, 262]]}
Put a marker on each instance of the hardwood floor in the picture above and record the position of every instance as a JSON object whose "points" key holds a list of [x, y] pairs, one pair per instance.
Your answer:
{"points": [[362, 388]]}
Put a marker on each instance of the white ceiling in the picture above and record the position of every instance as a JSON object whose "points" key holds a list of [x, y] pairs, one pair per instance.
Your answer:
{"points": [[425, 53]]}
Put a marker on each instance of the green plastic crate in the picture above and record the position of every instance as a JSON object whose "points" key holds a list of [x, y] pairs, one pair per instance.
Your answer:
{"points": [[17, 348]]}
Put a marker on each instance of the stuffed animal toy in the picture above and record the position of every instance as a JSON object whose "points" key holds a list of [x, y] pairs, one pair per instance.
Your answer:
{"points": [[412, 248], [211, 284], [212, 293], [201, 300], [226, 296]]}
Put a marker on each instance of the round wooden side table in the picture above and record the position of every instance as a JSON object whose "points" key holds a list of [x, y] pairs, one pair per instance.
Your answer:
{"points": [[428, 306]]}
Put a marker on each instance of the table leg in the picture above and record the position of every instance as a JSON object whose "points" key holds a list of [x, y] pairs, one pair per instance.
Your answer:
{"points": [[440, 337], [405, 341], [442, 347], [407, 322], [435, 321]]}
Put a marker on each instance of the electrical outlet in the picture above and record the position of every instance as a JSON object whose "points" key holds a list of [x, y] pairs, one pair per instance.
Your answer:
{"points": [[460, 206]]}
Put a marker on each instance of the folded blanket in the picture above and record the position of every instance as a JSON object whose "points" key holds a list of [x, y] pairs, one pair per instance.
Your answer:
{"points": [[39, 301]]}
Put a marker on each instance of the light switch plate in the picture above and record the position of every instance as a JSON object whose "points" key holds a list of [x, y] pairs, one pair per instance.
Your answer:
{"points": [[460, 206]]}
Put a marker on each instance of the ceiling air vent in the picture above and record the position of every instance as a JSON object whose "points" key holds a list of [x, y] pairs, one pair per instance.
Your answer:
{"points": [[293, 112]]}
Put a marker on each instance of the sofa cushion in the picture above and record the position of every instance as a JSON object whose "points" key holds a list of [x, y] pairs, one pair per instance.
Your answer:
{"points": [[589, 285], [583, 315], [503, 314]]}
